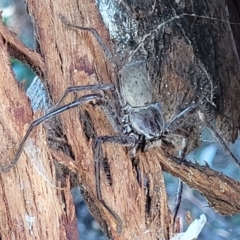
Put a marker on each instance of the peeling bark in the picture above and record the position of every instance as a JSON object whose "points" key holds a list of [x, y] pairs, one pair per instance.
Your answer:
{"points": [[179, 54]]}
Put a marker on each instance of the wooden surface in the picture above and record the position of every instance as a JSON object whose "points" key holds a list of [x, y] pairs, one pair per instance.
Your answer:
{"points": [[69, 58]]}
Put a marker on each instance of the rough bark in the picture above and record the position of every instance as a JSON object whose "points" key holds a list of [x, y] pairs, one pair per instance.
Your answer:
{"points": [[30, 204], [188, 47]]}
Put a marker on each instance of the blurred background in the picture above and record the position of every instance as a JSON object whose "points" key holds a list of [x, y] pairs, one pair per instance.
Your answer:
{"points": [[217, 227]]}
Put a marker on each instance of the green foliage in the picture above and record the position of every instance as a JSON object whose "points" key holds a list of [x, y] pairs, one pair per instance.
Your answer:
{"points": [[22, 72]]}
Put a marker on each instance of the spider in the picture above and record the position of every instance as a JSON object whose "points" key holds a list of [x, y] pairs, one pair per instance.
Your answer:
{"points": [[142, 126]]}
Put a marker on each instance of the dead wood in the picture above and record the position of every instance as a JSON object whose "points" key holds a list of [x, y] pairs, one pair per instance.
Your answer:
{"points": [[69, 58]]}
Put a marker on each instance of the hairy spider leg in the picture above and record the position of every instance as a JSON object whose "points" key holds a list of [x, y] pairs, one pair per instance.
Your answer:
{"points": [[194, 107], [106, 106], [95, 34], [203, 117], [177, 120], [129, 141], [178, 200], [103, 87], [55, 112]]}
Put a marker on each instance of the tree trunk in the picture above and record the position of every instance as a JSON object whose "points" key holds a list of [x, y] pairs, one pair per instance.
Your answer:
{"points": [[187, 57]]}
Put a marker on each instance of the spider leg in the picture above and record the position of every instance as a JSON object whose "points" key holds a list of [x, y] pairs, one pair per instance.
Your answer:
{"points": [[108, 109], [53, 113], [103, 87], [95, 34], [98, 159], [178, 200], [202, 115], [176, 121]]}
